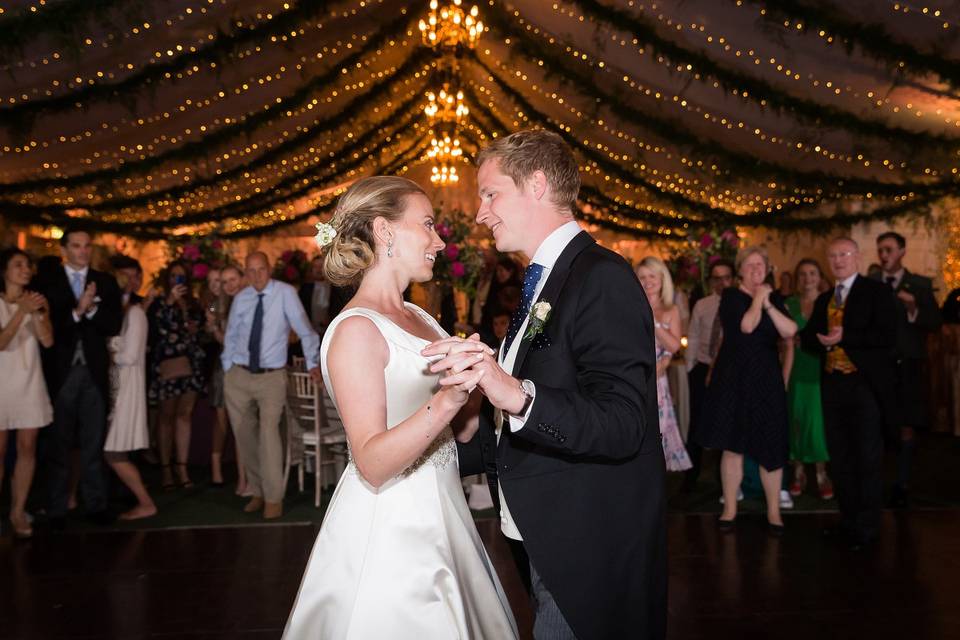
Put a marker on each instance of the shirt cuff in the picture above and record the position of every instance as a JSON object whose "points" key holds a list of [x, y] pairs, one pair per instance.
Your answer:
{"points": [[517, 422], [76, 318], [92, 312], [912, 317]]}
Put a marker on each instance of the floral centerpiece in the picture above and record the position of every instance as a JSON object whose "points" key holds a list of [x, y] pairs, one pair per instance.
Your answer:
{"points": [[460, 263], [292, 266], [200, 255], [690, 264]]}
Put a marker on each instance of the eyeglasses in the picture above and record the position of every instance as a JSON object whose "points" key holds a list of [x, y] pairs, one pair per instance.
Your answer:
{"points": [[841, 254]]}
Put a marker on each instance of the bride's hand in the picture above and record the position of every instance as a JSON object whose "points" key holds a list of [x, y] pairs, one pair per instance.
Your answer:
{"points": [[458, 387]]}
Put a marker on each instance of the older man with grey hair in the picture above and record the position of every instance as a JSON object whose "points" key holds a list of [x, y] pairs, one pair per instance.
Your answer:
{"points": [[255, 385]]}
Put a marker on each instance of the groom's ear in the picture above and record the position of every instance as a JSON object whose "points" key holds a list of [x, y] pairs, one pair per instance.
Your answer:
{"points": [[538, 184]]}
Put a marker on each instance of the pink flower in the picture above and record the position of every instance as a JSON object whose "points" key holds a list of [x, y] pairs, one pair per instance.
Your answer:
{"points": [[216, 245], [730, 236], [291, 273], [453, 251], [693, 270], [443, 231], [286, 255], [200, 271], [706, 241], [457, 270], [713, 260], [191, 252]]}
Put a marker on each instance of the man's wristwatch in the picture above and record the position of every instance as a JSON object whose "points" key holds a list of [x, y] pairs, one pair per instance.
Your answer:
{"points": [[528, 390]]}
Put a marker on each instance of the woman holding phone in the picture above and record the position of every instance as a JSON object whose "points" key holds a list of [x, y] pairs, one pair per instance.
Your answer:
{"points": [[176, 362]]}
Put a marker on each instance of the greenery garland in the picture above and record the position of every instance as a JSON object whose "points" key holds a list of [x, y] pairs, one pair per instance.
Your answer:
{"points": [[742, 167], [746, 86], [200, 148], [873, 39], [19, 118]]}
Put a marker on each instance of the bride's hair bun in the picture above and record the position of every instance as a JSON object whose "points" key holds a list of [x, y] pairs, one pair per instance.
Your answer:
{"points": [[353, 250]]}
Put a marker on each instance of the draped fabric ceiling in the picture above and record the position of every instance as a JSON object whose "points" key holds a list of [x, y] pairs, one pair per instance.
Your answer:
{"points": [[156, 118]]}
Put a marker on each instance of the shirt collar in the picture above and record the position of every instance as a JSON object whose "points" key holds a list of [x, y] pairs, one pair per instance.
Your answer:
{"points": [[849, 282], [896, 275], [550, 249], [267, 290], [70, 271]]}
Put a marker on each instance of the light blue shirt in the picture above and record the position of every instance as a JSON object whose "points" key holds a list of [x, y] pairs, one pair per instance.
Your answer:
{"points": [[282, 311]]}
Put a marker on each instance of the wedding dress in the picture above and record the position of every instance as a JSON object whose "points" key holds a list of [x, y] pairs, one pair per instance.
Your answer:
{"points": [[403, 560]]}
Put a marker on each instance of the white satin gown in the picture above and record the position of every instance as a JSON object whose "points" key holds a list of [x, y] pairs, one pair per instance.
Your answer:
{"points": [[403, 561]]}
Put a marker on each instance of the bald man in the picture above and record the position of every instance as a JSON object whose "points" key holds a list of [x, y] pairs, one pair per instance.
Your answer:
{"points": [[255, 382], [853, 328]]}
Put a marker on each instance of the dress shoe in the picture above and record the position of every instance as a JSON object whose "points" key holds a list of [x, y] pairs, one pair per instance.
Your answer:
{"points": [[255, 504], [272, 510]]}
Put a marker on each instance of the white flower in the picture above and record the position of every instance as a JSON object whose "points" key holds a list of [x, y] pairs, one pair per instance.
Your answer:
{"points": [[325, 234], [541, 311]]}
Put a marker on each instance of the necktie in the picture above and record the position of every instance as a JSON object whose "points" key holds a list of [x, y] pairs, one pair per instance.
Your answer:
{"points": [[838, 296], [76, 283], [256, 333], [890, 280], [531, 276]]}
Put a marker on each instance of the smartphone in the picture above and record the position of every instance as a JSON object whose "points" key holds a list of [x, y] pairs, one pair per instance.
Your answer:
{"points": [[180, 279]]}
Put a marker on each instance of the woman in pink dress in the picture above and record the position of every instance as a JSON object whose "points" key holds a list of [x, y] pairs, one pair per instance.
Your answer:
{"points": [[658, 285]]}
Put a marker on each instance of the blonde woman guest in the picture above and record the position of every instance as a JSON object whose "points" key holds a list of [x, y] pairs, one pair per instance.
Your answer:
{"points": [[128, 417], [24, 402], [658, 285], [746, 391], [808, 443]]}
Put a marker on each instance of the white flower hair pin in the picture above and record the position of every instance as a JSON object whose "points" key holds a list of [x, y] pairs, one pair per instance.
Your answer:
{"points": [[325, 234], [539, 315]]}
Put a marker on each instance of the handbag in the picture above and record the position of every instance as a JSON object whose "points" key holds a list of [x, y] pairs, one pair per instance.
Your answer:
{"points": [[173, 368]]}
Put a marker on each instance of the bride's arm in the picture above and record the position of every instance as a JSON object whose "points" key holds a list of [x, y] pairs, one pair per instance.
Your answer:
{"points": [[356, 359]]}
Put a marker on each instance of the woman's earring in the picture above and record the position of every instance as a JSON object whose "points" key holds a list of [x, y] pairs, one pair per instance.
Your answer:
{"points": [[390, 248]]}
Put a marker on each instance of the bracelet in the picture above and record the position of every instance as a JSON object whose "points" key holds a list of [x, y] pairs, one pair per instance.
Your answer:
{"points": [[429, 420]]}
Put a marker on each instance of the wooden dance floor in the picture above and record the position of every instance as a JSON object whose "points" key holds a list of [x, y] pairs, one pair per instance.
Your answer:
{"points": [[239, 582]]}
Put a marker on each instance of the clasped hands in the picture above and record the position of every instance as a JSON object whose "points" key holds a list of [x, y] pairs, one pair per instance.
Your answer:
{"points": [[471, 364]]}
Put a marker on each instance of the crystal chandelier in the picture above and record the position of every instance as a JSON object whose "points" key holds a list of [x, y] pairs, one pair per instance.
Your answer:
{"points": [[451, 26], [445, 107], [444, 175]]}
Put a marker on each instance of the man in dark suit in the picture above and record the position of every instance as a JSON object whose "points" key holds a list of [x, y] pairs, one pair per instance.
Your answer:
{"points": [[854, 330], [85, 310], [917, 315], [578, 459]]}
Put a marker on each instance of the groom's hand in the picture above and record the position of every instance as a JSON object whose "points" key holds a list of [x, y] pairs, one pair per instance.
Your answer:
{"points": [[461, 359]]}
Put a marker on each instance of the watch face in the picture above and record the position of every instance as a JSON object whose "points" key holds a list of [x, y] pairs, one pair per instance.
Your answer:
{"points": [[527, 387]]}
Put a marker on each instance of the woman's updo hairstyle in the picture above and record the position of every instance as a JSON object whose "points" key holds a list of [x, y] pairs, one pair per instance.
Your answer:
{"points": [[353, 250]]}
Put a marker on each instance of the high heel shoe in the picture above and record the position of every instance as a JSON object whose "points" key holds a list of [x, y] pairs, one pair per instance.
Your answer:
{"points": [[184, 484], [167, 486], [22, 530]]}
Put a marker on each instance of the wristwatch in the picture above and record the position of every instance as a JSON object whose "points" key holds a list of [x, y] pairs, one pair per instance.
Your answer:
{"points": [[529, 391]]}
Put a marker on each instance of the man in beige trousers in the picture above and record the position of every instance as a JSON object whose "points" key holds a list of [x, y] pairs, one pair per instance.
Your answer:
{"points": [[255, 386]]}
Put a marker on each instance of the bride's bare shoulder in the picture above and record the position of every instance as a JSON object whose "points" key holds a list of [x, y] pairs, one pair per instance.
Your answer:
{"points": [[358, 338]]}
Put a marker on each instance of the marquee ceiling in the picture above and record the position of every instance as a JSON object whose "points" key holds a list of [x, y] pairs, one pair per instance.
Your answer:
{"points": [[220, 116]]}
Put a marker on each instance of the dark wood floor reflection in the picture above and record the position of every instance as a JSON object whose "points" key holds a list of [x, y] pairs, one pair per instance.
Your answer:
{"points": [[239, 582]]}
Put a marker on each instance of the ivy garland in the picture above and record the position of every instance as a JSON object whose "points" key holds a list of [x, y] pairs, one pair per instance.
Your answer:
{"points": [[740, 84], [873, 39], [19, 118]]}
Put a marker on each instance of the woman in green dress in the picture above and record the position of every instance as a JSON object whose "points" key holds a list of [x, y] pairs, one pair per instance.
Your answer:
{"points": [[807, 441]]}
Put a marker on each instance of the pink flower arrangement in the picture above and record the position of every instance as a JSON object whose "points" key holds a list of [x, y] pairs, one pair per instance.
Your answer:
{"points": [[452, 251], [706, 241], [457, 270], [459, 265], [443, 230], [200, 270], [200, 254], [690, 264], [190, 252]]}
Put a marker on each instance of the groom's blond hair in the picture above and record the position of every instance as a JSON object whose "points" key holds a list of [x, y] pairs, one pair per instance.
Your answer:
{"points": [[525, 152]]}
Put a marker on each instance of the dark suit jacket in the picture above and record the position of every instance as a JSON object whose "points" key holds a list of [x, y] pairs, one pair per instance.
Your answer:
{"points": [[584, 478], [912, 336], [869, 338], [91, 332]]}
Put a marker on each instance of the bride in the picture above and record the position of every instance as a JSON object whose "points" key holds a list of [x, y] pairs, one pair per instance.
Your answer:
{"points": [[398, 554]]}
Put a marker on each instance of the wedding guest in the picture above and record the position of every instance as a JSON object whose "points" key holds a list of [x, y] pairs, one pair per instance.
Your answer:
{"points": [[254, 359], [917, 315], [24, 403], [315, 296], [746, 392], [658, 287], [854, 331], [128, 376], [176, 360], [85, 310], [703, 341], [231, 282], [808, 444], [786, 284], [506, 275]]}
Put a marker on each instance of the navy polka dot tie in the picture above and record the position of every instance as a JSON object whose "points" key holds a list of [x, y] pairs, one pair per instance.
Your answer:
{"points": [[530, 279]]}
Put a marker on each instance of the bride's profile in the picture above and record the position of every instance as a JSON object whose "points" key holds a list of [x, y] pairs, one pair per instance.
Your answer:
{"points": [[398, 554]]}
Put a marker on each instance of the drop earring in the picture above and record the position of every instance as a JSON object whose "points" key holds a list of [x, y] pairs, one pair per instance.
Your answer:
{"points": [[390, 248]]}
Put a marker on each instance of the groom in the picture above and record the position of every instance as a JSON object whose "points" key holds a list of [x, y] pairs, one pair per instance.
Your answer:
{"points": [[579, 468]]}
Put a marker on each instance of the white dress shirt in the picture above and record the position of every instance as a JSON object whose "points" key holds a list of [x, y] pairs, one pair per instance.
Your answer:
{"points": [[282, 311], [846, 288], [701, 328], [546, 256]]}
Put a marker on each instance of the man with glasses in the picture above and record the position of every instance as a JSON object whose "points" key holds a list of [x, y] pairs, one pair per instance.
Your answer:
{"points": [[703, 341], [853, 328], [917, 313]]}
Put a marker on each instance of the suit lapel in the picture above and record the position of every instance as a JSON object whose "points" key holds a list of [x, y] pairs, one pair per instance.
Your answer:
{"points": [[554, 284]]}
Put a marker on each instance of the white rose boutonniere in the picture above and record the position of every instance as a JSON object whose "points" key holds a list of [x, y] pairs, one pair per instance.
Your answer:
{"points": [[539, 314]]}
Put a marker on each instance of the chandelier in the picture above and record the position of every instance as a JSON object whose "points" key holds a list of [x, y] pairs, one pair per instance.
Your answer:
{"points": [[445, 107], [444, 175], [444, 150], [451, 26]]}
